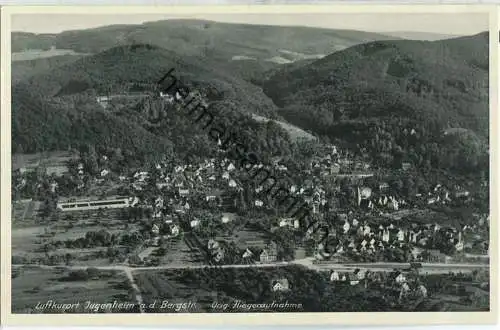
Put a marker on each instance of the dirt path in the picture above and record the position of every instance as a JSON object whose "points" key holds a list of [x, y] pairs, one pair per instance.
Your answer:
{"points": [[138, 295]]}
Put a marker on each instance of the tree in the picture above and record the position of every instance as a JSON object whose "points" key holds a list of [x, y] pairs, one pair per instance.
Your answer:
{"points": [[91, 160], [397, 185], [92, 272], [67, 258], [78, 275], [135, 259], [409, 187]]}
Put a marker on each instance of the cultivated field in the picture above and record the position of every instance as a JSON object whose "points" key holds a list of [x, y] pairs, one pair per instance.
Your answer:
{"points": [[178, 253], [24, 213], [109, 189], [29, 237], [32, 286], [245, 234], [51, 158], [159, 286]]}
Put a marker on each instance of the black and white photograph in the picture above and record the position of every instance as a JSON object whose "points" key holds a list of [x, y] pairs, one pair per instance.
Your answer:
{"points": [[249, 162]]}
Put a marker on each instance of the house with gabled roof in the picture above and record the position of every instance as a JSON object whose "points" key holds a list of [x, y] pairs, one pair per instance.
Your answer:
{"points": [[155, 229], [280, 285], [247, 254], [168, 219], [212, 244], [399, 278], [405, 166], [179, 208], [269, 254], [213, 194], [157, 214], [383, 186], [183, 192], [334, 276], [174, 230], [286, 222]]}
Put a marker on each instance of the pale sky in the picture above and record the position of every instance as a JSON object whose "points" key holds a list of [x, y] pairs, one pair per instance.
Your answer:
{"points": [[443, 23]]}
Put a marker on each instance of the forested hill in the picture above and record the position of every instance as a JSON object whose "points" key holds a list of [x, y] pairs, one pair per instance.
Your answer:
{"points": [[373, 95], [244, 50], [57, 109], [42, 123], [219, 59], [117, 69], [196, 37], [22, 70]]}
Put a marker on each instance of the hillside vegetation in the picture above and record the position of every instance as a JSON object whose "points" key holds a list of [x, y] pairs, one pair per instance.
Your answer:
{"points": [[24, 69], [212, 57], [41, 124], [390, 100], [22, 41], [57, 109], [114, 70], [373, 96]]}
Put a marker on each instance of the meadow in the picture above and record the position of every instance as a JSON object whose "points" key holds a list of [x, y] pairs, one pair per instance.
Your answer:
{"points": [[33, 54], [31, 286]]}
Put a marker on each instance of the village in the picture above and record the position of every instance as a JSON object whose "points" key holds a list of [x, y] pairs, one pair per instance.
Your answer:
{"points": [[223, 220]]}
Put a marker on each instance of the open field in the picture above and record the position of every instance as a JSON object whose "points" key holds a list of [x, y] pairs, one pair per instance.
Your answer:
{"points": [[178, 253], [243, 235], [107, 188], [28, 240], [24, 213], [33, 286], [47, 158], [54, 162], [294, 131], [33, 54], [158, 286]]}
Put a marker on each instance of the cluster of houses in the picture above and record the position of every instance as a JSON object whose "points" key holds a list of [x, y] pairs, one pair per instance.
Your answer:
{"points": [[214, 184], [383, 200], [398, 281], [361, 238], [335, 161], [211, 175], [206, 185], [442, 195], [352, 236]]}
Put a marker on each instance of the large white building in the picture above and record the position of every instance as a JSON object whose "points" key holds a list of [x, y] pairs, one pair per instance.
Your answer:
{"points": [[83, 205]]}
